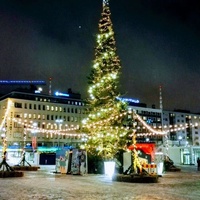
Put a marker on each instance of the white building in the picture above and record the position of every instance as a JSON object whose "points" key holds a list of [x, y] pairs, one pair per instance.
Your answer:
{"points": [[40, 121], [47, 122]]}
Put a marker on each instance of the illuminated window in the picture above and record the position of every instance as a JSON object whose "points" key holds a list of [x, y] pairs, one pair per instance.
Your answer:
{"points": [[52, 108], [48, 108]]}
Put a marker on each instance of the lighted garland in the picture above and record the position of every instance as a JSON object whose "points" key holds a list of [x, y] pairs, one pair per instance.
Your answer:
{"points": [[4, 139], [30, 127]]}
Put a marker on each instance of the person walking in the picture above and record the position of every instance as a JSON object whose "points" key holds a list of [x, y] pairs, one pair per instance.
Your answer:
{"points": [[198, 164]]}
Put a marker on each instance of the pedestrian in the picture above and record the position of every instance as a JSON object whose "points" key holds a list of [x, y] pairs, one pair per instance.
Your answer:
{"points": [[198, 164]]}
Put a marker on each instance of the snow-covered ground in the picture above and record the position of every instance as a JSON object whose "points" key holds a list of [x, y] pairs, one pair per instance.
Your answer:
{"points": [[46, 185]]}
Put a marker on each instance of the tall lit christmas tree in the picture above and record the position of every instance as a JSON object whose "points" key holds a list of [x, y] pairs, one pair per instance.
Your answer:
{"points": [[107, 122]]}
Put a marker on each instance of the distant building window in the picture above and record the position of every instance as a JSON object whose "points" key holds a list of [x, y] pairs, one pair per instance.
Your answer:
{"points": [[39, 107], [43, 107], [52, 108], [25, 105], [30, 106], [48, 108], [18, 105], [35, 107], [17, 115]]}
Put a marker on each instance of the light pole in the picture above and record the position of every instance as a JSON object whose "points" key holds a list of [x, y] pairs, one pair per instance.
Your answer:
{"points": [[59, 122], [34, 139], [179, 139]]}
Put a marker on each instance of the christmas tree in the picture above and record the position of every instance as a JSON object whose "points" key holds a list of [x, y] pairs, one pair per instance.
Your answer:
{"points": [[107, 122]]}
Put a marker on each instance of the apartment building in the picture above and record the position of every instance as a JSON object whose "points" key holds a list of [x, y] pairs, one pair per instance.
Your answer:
{"points": [[29, 119], [45, 122]]}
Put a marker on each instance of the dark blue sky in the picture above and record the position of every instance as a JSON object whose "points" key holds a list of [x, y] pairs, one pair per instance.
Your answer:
{"points": [[158, 43]]}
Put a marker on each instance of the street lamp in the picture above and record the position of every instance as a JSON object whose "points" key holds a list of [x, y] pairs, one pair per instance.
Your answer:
{"points": [[179, 138], [59, 122], [34, 139]]}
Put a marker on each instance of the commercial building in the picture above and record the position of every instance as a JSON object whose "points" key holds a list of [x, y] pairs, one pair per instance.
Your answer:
{"points": [[42, 122], [47, 123]]}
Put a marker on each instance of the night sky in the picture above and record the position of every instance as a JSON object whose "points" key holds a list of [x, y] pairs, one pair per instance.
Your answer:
{"points": [[158, 42]]}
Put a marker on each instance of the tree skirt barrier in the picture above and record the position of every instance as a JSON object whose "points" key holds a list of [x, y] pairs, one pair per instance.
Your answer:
{"points": [[135, 178], [26, 168], [8, 174]]}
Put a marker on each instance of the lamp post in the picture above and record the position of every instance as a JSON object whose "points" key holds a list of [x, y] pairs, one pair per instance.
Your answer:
{"points": [[59, 122], [34, 139], [179, 139]]}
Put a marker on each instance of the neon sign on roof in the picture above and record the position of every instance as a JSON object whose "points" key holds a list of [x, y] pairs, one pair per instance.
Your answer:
{"points": [[21, 82], [61, 94], [128, 100]]}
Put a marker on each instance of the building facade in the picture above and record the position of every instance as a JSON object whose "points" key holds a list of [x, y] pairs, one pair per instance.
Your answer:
{"points": [[29, 119], [38, 121]]}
